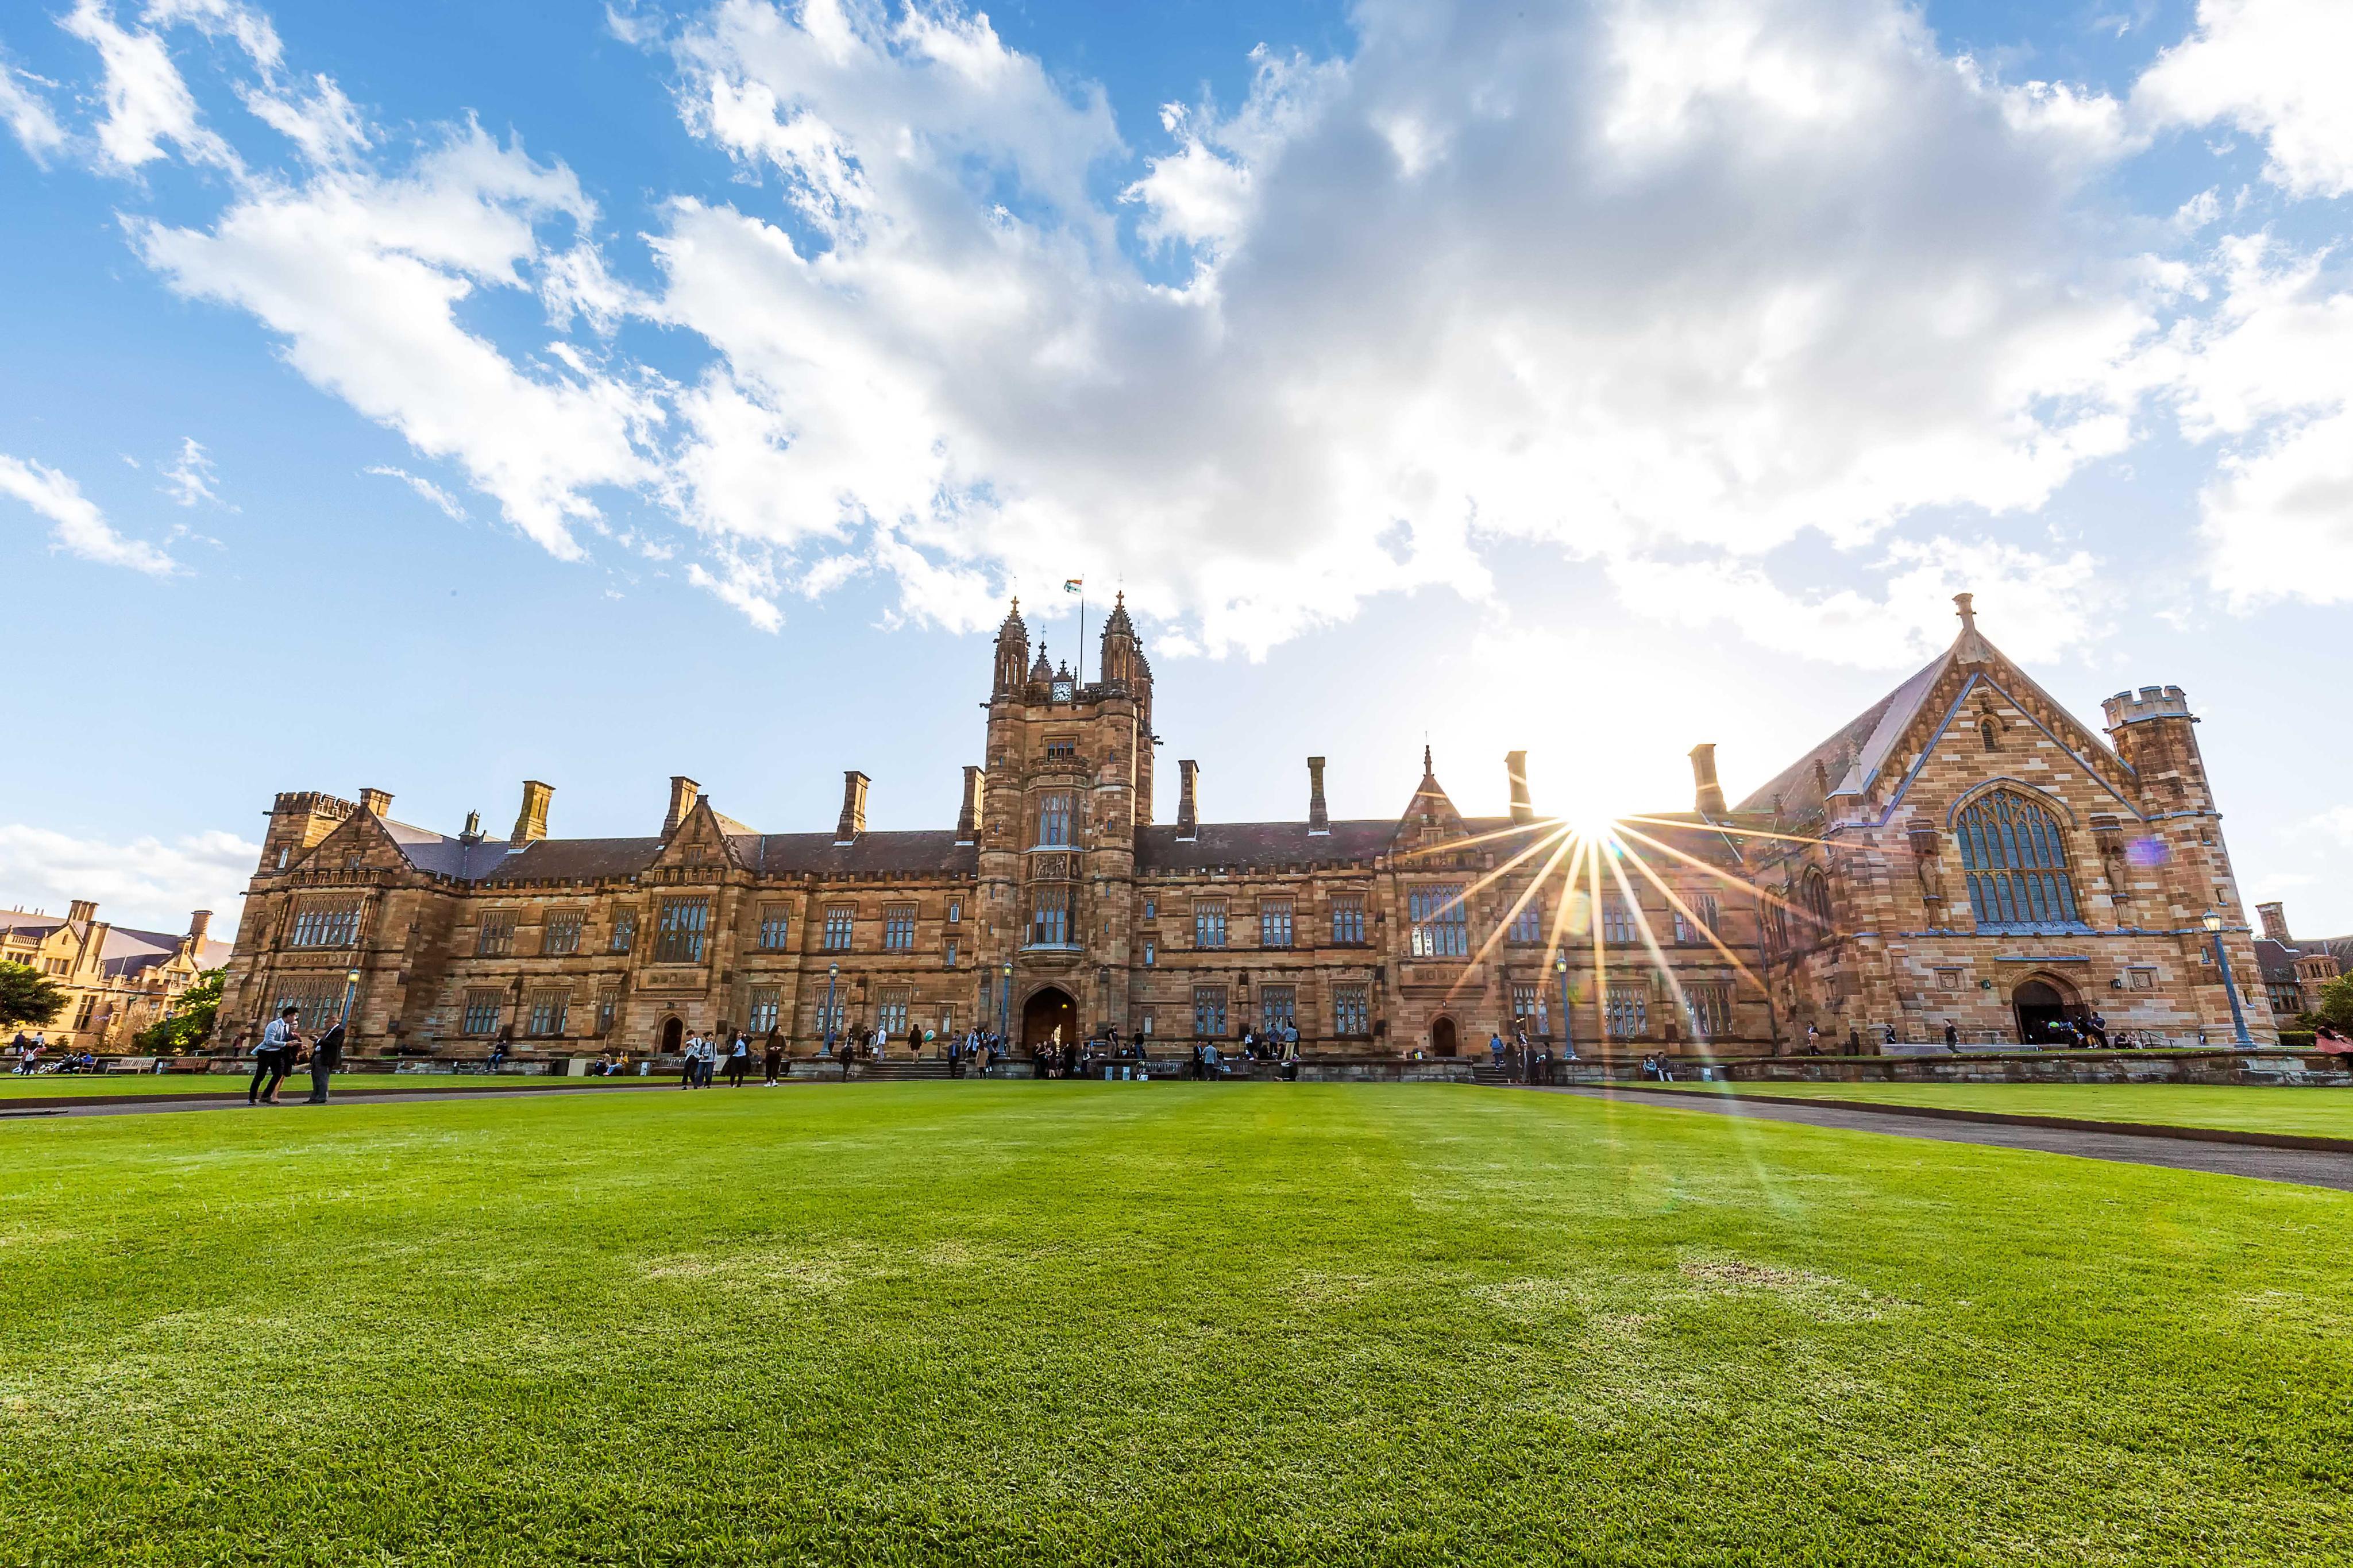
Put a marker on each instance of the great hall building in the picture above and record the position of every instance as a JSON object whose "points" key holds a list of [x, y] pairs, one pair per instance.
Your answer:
{"points": [[1965, 852]]}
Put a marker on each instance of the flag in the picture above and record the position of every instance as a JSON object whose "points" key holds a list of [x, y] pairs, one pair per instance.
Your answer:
{"points": [[1072, 585]]}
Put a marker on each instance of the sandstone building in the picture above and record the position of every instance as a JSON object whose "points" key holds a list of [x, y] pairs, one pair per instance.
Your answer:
{"points": [[117, 980], [1965, 853]]}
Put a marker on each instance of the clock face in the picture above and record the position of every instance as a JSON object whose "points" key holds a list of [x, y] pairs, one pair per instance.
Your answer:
{"points": [[1061, 691]]}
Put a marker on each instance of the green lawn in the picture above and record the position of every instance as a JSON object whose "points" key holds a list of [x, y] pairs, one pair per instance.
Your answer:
{"points": [[2311, 1112], [1062, 1323], [14, 1085]]}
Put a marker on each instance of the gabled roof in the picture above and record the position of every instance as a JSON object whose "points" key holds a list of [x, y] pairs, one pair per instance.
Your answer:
{"points": [[1856, 753], [441, 854]]}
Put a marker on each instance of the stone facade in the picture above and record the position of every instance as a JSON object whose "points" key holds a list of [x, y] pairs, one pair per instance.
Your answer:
{"points": [[2293, 972], [1840, 896], [117, 980], [1900, 917]]}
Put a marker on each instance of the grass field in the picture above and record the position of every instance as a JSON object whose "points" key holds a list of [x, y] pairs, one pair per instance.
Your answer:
{"points": [[39, 1085], [2309, 1112], [1061, 1323]]}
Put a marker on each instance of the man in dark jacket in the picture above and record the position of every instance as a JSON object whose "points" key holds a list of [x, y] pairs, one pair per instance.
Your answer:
{"points": [[325, 1058]]}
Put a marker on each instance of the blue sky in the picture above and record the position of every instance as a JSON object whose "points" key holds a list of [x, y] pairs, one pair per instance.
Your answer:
{"points": [[432, 397]]}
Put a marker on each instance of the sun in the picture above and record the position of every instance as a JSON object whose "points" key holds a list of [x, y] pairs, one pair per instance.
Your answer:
{"points": [[1590, 809]]}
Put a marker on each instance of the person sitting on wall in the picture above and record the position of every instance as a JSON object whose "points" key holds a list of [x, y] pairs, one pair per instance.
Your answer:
{"points": [[2097, 1027]]}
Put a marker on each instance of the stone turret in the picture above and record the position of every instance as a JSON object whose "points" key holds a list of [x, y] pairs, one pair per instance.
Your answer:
{"points": [[1012, 651]]}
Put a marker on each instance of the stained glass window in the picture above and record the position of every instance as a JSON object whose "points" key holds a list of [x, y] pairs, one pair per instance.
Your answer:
{"points": [[2014, 853]]}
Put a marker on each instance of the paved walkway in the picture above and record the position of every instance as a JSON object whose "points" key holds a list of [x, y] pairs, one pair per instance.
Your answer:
{"points": [[2305, 1167]]}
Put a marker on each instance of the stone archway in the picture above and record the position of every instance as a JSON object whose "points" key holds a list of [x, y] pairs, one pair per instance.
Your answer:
{"points": [[1049, 1008], [2041, 1002], [673, 1036], [1444, 1041]]}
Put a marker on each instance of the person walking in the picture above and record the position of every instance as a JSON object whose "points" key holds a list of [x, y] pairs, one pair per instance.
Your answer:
{"points": [[1952, 1038], [325, 1058], [772, 1059], [739, 1059], [272, 1056], [689, 1061]]}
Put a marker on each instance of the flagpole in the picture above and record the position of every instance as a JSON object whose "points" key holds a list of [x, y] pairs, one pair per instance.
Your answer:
{"points": [[1082, 640]]}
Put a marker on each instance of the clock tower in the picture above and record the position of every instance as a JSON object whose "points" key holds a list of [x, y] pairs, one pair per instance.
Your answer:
{"points": [[1068, 781]]}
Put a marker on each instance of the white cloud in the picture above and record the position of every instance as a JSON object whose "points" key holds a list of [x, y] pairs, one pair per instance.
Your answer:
{"points": [[75, 523], [2044, 605], [324, 126], [363, 276], [1706, 275], [2337, 821], [2274, 69], [190, 478], [426, 489], [28, 114], [249, 27], [147, 101], [145, 883], [2268, 376]]}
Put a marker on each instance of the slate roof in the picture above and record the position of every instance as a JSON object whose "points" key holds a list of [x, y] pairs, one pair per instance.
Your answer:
{"points": [[2276, 960], [1255, 844], [567, 859], [127, 949], [36, 926], [869, 855], [443, 856]]}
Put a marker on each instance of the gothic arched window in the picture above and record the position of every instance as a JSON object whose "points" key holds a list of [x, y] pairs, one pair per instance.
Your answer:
{"points": [[1814, 893], [1991, 731], [2015, 855]]}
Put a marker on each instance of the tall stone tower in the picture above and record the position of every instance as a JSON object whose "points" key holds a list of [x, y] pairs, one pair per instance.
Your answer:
{"points": [[1067, 783], [2152, 730]]}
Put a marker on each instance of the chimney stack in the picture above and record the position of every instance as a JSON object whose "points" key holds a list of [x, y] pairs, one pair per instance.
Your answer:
{"points": [[377, 801], [1708, 794], [82, 909], [1516, 763], [473, 829], [853, 807], [968, 815], [1189, 819], [2274, 918], [1319, 818], [530, 822], [682, 794], [198, 924]]}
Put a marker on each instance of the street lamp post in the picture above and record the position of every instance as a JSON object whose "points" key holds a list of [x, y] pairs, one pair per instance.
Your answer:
{"points": [[2213, 923], [351, 989], [1568, 1028], [832, 974], [1005, 1006]]}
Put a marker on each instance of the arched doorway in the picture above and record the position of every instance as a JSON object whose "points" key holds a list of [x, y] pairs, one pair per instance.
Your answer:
{"points": [[673, 1037], [1442, 1041], [2042, 1004], [1049, 1008]]}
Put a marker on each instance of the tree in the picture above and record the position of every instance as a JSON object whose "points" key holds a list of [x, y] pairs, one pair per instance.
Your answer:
{"points": [[28, 996], [184, 1029], [2336, 1007]]}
